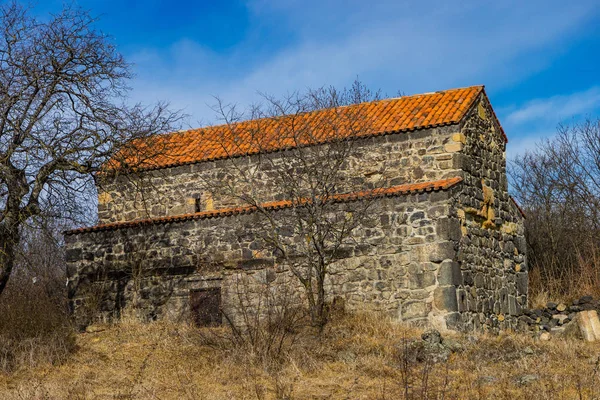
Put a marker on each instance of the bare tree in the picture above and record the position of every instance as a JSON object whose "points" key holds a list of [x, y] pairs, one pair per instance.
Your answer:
{"points": [[558, 184], [308, 178], [63, 112]]}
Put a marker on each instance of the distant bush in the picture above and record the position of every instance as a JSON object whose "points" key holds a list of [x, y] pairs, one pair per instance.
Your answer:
{"points": [[558, 186], [34, 324]]}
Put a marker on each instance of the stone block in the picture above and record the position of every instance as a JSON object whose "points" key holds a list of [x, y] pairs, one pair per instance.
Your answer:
{"points": [[104, 198], [448, 228], [442, 251], [453, 147], [449, 273], [414, 309], [589, 324], [459, 137], [444, 298], [522, 282], [419, 278]]}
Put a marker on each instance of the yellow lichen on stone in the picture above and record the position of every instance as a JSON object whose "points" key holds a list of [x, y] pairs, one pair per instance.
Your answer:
{"points": [[459, 137], [481, 110], [257, 254], [463, 220], [487, 206], [501, 317], [471, 210], [104, 198], [518, 267], [208, 202], [509, 228]]}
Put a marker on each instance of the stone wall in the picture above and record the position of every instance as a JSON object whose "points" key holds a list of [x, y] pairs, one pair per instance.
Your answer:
{"points": [[492, 287], [410, 157], [451, 258], [399, 266]]}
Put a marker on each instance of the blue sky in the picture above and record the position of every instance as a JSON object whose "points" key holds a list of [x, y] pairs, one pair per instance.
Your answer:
{"points": [[539, 60]]}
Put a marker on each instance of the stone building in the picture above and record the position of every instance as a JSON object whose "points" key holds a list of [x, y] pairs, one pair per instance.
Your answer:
{"points": [[445, 247]]}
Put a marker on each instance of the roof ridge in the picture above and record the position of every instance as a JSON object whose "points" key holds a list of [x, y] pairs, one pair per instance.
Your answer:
{"points": [[387, 99], [377, 118], [442, 184]]}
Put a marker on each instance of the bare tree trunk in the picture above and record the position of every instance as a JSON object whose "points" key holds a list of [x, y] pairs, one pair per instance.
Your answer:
{"points": [[321, 320], [63, 115], [8, 242]]}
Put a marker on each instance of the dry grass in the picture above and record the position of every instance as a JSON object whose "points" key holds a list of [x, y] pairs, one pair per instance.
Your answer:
{"points": [[559, 284], [35, 327], [357, 357]]}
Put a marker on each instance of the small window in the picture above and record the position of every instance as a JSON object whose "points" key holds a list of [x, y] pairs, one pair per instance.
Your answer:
{"points": [[198, 204], [205, 305]]}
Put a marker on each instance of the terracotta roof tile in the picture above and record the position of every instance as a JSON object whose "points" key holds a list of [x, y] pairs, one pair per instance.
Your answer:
{"points": [[378, 118], [276, 205]]}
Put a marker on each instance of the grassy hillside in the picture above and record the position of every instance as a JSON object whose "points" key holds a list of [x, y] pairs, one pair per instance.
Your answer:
{"points": [[357, 357]]}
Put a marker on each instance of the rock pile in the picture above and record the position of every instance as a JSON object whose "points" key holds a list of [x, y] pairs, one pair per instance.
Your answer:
{"points": [[557, 318]]}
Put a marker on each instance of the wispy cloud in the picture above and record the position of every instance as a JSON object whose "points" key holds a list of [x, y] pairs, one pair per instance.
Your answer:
{"points": [[556, 108], [520, 144], [393, 45]]}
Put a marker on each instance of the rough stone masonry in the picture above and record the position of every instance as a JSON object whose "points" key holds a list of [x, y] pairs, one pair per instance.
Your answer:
{"points": [[445, 247]]}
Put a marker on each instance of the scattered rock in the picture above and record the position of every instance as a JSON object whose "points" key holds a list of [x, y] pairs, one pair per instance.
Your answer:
{"points": [[545, 336], [589, 324], [486, 380], [554, 316], [346, 356], [526, 379], [528, 350], [432, 348], [453, 345], [95, 328], [432, 336], [560, 318], [570, 330]]}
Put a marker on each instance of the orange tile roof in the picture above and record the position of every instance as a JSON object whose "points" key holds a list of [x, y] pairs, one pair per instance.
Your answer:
{"points": [[271, 134], [276, 205]]}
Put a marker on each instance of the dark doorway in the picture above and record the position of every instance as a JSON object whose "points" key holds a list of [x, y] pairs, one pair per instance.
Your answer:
{"points": [[206, 306]]}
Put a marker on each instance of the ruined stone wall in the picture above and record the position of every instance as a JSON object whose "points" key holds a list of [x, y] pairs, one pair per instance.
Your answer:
{"points": [[492, 287], [410, 157], [401, 264]]}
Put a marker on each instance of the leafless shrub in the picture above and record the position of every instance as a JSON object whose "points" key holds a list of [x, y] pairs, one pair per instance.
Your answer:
{"points": [[308, 176], [35, 326], [263, 321], [558, 186], [417, 372]]}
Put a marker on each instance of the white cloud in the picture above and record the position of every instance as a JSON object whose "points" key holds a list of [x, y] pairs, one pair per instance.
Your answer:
{"points": [[556, 108], [520, 144], [404, 45]]}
